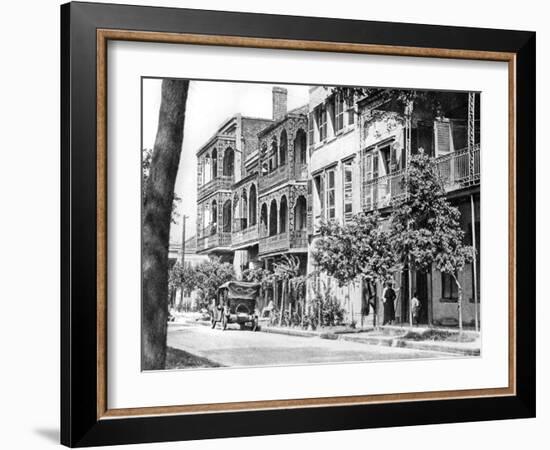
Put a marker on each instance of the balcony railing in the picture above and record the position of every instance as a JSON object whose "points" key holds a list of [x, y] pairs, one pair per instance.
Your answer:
{"points": [[298, 239], [221, 183], [210, 238], [279, 175], [454, 170], [379, 193], [300, 172], [244, 236], [283, 241]]}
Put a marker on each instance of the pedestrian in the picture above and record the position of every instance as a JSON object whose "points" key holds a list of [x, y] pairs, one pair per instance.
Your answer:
{"points": [[388, 298], [415, 304]]}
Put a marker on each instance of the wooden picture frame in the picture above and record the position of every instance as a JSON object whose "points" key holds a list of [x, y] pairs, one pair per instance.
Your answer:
{"points": [[85, 417]]}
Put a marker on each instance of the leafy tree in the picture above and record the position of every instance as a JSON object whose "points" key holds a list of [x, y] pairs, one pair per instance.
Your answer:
{"points": [[157, 210], [357, 249], [398, 100], [182, 278], [425, 226], [210, 275]]}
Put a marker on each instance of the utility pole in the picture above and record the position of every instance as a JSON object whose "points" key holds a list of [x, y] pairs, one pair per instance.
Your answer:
{"points": [[184, 219]]}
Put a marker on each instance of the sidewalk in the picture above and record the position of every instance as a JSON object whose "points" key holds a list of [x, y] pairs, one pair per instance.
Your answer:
{"points": [[467, 343]]}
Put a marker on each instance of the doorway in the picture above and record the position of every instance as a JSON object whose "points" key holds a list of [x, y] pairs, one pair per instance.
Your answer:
{"points": [[422, 292]]}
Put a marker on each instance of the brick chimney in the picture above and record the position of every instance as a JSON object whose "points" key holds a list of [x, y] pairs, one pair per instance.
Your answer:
{"points": [[279, 102]]}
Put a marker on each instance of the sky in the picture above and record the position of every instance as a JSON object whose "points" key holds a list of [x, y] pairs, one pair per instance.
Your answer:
{"points": [[209, 104]]}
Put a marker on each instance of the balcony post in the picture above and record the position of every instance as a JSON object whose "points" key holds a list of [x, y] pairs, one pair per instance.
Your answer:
{"points": [[471, 133], [408, 131]]}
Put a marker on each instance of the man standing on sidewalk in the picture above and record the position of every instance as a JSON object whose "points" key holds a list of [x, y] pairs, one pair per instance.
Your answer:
{"points": [[388, 297]]}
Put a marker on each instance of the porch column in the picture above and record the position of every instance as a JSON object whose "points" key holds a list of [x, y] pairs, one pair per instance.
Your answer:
{"points": [[471, 132], [474, 262]]}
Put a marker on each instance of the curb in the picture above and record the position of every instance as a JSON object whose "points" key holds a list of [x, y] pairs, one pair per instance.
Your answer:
{"points": [[386, 342], [415, 345]]}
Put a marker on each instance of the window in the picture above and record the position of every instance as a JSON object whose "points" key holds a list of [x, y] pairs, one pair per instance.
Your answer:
{"points": [[442, 131], [370, 174], [283, 145], [320, 188], [331, 194], [339, 114], [351, 110], [322, 122], [449, 289], [310, 133], [348, 190]]}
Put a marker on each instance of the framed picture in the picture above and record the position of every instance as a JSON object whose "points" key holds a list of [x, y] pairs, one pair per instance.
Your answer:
{"points": [[276, 224]]}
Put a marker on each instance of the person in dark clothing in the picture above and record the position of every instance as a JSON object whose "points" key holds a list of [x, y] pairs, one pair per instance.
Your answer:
{"points": [[388, 297]]}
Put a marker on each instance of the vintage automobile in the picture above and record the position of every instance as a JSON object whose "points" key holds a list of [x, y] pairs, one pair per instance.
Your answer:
{"points": [[236, 303]]}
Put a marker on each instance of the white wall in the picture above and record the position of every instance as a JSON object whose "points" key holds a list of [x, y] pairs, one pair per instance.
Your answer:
{"points": [[29, 231]]}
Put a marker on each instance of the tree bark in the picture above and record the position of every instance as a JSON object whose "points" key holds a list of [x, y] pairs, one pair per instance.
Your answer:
{"points": [[459, 303], [157, 209]]}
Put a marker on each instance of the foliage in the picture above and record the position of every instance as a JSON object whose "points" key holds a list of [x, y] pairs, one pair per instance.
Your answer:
{"points": [[210, 275], [325, 308], [359, 248], [425, 226], [185, 277], [147, 155], [396, 99], [258, 275]]}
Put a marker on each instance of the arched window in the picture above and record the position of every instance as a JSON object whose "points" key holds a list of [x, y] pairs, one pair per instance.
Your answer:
{"points": [[283, 215], [206, 217], [283, 148], [244, 210], [206, 169], [273, 218], [214, 164], [264, 159], [228, 162], [300, 147], [263, 220], [237, 217], [273, 158], [300, 214], [214, 218], [252, 205], [226, 213]]}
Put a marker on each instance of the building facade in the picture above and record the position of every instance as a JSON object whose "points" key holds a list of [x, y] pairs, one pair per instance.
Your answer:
{"points": [[264, 186], [227, 186]]}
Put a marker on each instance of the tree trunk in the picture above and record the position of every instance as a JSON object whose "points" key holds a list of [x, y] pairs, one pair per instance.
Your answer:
{"points": [[459, 303], [372, 288], [157, 209]]}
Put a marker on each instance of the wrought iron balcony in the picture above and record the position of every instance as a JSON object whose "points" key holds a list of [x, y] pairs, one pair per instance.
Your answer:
{"points": [[244, 235], [454, 170], [279, 175], [296, 240], [301, 172], [223, 182], [210, 238], [379, 192]]}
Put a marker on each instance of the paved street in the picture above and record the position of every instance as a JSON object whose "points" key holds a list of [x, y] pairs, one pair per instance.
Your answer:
{"points": [[234, 347]]}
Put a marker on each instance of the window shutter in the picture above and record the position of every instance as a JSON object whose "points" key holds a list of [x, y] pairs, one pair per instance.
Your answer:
{"points": [[442, 138], [310, 135]]}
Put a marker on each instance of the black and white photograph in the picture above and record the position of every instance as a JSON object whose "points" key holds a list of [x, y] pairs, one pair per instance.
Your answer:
{"points": [[290, 224]]}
